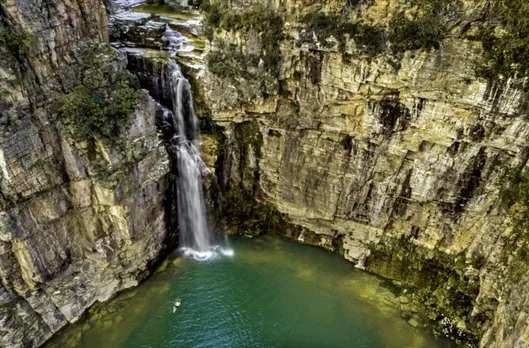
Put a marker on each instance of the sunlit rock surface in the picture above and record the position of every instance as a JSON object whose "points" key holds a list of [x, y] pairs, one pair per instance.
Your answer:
{"points": [[364, 157]]}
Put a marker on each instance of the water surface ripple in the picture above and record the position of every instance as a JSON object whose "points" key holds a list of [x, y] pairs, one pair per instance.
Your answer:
{"points": [[271, 293]]}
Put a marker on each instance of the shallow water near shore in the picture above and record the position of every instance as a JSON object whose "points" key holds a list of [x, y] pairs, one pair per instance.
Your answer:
{"points": [[271, 293]]}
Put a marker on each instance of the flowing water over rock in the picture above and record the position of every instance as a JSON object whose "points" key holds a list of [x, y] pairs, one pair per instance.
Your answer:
{"points": [[170, 87], [175, 41], [272, 293], [195, 238]]}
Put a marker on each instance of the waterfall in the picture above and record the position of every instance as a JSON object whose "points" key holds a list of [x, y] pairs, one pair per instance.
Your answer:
{"points": [[175, 41], [194, 234], [195, 238]]}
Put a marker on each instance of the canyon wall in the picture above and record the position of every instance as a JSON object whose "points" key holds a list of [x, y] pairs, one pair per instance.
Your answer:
{"points": [[355, 125], [395, 156], [82, 213]]}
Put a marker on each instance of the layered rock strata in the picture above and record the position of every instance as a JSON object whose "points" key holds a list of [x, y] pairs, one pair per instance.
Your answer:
{"points": [[81, 219], [397, 160]]}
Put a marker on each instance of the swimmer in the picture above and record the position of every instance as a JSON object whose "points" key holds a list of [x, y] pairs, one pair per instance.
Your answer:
{"points": [[176, 305]]}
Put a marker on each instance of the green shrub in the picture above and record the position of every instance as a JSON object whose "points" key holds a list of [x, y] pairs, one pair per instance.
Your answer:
{"points": [[212, 16], [426, 29], [325, 26], [406, 34], [101, 112], [17, 42], [370, 39], [96, 62], [507, 54], [259, 18]]}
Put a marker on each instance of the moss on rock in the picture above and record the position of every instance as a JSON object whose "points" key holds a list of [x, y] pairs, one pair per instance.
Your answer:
{"points": [[515, 200], [445, 285]]}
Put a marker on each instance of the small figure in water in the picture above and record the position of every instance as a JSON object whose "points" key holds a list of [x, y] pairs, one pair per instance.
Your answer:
{"points": [[176, 305]]}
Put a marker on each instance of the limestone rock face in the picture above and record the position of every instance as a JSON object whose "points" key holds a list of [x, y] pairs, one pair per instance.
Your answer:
{"points": [[80, 220], [355, 150]]}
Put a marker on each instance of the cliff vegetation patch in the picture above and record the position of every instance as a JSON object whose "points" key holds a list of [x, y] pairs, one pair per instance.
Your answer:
{"points": [[101, 111], [106, 96], [18, 42], [445, 285], [515, 198], [370, 39], [423, 28], [262, 21], [506, 47]]}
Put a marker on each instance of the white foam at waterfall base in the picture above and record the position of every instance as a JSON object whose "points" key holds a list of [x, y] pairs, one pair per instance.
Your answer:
{"points": [[208, 255], [195, 238]]}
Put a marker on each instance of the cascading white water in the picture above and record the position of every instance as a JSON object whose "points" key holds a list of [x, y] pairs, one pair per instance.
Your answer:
{"points": [[175, 41], [195, 238], [191, 211]]}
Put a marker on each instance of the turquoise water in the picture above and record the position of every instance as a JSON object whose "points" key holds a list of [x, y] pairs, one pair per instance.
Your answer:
{"points": [[271, 293]]}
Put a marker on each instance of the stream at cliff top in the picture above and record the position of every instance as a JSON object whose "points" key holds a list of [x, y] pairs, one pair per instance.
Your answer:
{"points": [[271, 293]]}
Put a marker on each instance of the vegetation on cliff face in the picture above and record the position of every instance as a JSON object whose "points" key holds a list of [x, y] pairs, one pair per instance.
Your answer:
{"points": [[515, 198], [102, 111], [424, 25], [370, 39], [425, 28], [412, 34], [445, 285], [227, 60], [105, 99], [506, 48], [17, 42], [260, 19]]}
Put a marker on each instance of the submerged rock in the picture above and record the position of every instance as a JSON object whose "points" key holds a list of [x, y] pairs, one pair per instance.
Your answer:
{"points": [[404, 299], [414, 321]]}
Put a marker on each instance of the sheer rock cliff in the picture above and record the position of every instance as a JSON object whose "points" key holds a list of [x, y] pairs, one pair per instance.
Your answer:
{"points": [[396, 160], [80, 218]]}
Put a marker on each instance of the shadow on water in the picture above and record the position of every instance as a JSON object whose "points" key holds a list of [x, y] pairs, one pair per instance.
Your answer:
{"points": [[271, 293]]}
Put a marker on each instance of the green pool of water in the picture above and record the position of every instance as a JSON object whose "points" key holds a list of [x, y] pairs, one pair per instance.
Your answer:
{"points": [[271, 293]]}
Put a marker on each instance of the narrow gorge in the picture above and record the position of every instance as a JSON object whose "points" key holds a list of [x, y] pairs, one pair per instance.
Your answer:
{"points": [[137, 136]]}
